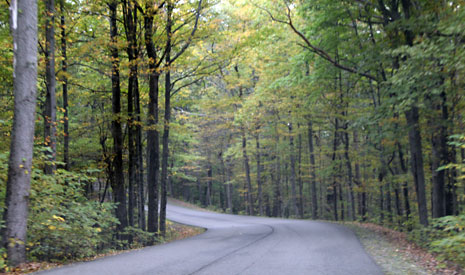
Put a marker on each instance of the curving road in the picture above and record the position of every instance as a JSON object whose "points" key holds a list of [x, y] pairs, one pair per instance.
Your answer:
{"points": [[242, 245]]}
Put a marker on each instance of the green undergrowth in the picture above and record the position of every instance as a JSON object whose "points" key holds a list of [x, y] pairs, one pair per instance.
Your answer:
{"points": [[65, 226], [445, 237], [416, 252]]}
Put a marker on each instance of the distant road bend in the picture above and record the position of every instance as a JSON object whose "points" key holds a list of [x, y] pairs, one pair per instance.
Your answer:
{"points": [[242, 245]]}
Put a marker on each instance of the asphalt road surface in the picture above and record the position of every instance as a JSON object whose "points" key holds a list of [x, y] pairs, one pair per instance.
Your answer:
{"points": [[242, 245]]}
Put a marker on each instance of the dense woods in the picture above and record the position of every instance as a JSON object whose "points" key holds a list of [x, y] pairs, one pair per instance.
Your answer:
{"points": [[335, 110]]}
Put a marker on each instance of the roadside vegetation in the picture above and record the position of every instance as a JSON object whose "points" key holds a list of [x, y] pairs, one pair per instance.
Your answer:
{"points": [[321, 109]]}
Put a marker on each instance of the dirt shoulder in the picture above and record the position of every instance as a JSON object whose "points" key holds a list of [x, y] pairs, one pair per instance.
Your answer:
{"points": [[395, 254]]}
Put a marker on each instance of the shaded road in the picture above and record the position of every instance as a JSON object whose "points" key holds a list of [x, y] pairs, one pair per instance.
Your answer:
{"points": [[242, 245]]}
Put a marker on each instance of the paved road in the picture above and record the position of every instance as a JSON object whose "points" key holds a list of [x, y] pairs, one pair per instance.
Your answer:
{"points": [[242, 245]]}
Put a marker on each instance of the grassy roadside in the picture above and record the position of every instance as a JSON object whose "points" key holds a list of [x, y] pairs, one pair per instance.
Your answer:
{"points": [[395, 254], [175, 231]]}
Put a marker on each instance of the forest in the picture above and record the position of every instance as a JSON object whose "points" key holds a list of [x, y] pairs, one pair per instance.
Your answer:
{"points": [[345, 110]]}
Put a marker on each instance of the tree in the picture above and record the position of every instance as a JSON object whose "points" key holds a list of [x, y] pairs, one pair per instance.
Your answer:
{"points": [[117, 176], [23, 24], [50, 116]]}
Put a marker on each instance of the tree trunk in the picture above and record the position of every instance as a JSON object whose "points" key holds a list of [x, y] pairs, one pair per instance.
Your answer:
{"points": [[349, 173], [153, 142], [50, 80], [277, 178], [247, 173], [412, 116], [259, 176], [166, 127], [64, 68], [312, 171], [333, 158], [405, 192], [140, 162], [357, 179], [117, 133], [295, 210], [299, 175], [23, 25], [208, 195], [130, 23]]}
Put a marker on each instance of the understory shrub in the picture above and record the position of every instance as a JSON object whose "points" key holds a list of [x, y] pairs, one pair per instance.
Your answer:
{"points": [[63, 224], [445, 237]]}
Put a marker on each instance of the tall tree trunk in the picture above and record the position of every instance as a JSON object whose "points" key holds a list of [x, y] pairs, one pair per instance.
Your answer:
{"points": [[312, 171], [153, 142], [166, 124], [381, 196], [389, 201], [358, 178], [405, 192], [277, 178], [117, 133], [295, 210], [333, 158], [64, 69], [130, 23], [349, 173], [50, 100], [259, 175], [23, 24], [208, 195], [247, 172], [140, 162], [299, 174], [226, 179], [416, 152], [451, 187]]}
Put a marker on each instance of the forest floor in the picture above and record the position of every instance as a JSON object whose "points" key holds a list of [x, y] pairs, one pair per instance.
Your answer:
{"points": [[175, 231], [395, 254]]}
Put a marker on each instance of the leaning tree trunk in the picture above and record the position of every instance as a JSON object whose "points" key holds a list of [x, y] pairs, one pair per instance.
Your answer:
{"points": [[24, 29]]}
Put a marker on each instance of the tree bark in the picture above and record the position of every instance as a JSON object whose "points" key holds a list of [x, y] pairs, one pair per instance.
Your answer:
{"points": [[259, 175], [23, 24], [130, 24], [277, 178], [208, 195], [153, 142], [50, 100], [117, 133], [64, 68], [295, 209], [166, 124], [333, 158], [247, 173], [349, 173], [299, 174], [312, 171], [412, 116]]}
